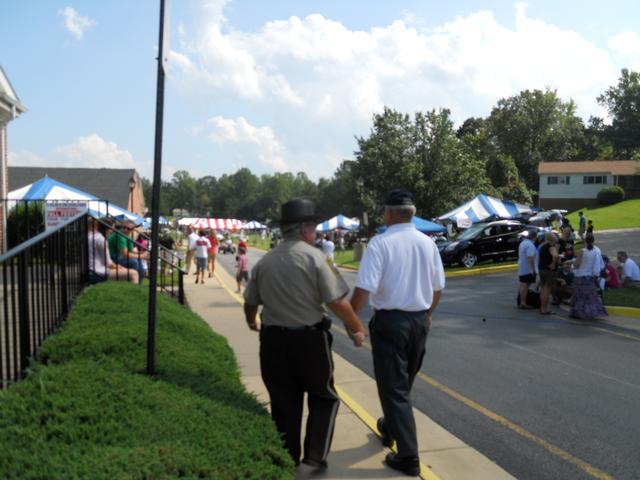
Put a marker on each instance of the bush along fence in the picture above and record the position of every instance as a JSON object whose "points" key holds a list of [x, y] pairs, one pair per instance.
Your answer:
{"points": [[42, 277]]}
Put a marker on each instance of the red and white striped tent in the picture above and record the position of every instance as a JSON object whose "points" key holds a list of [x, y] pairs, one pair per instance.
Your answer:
{"points": [[217, 224]]}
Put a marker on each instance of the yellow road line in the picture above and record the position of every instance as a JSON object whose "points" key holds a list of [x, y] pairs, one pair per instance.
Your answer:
{"points": [[354, 406], [427, 474], [584, 466]]}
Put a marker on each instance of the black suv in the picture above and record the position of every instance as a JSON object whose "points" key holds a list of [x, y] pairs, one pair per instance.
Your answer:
{"points": [[485, 241]]}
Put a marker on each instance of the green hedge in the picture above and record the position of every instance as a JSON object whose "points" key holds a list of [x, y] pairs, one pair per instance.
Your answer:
{"points": [[610, 195], [87, 410]]}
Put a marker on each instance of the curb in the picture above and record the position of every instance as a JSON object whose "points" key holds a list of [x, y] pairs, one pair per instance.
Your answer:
{"points": [[482, 271], [632, 312]]}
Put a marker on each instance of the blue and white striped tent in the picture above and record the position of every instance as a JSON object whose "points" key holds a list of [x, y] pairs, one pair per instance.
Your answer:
{"points": [[339, 221], [254, 225], [49, 189], [484, 207]]}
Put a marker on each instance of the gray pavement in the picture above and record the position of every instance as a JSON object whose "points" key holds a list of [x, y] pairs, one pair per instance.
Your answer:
{"points": [[356, 452]]}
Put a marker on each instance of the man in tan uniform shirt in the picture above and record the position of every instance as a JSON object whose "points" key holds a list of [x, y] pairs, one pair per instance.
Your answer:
{"points": [[294, 282]]}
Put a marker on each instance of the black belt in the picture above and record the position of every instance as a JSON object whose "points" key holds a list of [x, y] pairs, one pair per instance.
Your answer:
{"points": [[324, 324], [393, 310]]}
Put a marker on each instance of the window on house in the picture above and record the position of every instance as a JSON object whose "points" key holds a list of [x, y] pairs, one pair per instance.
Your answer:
{"points": [[594, 179], [555, 180]]}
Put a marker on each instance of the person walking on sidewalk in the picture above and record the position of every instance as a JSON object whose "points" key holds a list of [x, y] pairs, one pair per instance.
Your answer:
{"points": [[294, 282], [213, 252], [202, 245], [402, 271], [191, 247]]}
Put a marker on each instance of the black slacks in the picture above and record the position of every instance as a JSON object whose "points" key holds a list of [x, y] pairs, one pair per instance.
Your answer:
{"points": [[295, 362], [398, 342]]}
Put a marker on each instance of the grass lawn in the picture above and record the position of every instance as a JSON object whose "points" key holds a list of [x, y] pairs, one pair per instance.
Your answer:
{"points": [[623, 297], [254, 240], [88, 410], [621, 215]]}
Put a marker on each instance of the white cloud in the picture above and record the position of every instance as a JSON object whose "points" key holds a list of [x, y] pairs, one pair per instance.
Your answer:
{"points": [[268, 149], [626, 48], [96, 152], [325, 80], [75, 23], [24, 158]]}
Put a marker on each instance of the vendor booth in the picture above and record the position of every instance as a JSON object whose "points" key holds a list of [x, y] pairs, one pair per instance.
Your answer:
{"points": [[484, 208], [339, 221]]}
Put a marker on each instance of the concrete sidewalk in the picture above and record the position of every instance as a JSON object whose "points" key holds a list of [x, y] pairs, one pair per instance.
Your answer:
{"points": [[356, 452]]}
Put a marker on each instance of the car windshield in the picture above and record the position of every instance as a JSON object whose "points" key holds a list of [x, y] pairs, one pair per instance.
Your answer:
{"points": [[470, 232]]}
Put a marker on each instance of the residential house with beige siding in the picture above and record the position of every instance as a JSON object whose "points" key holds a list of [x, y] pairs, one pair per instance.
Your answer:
{"points": [[574, 185]]}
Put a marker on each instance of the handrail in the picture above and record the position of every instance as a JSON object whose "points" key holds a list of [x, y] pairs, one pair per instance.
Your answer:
{"points": [[42, 235]]}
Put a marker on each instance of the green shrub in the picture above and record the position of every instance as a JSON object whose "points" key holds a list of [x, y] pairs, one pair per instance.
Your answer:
{"points": [[88, 411], [25, 220], [610, 195]]}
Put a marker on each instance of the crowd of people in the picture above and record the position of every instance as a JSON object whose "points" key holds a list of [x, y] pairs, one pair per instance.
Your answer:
{"points": [[561, 274]]}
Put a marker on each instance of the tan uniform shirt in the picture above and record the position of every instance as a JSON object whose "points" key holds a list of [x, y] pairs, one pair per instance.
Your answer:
{"points": [[293, 282]]}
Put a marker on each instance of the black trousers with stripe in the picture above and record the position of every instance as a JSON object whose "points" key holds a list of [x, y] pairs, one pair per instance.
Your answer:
{"points": [[295, 362], [398, 342]]}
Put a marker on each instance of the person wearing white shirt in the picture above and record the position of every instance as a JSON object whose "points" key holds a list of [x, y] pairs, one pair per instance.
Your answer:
{"points": [[328, 248], [586, 304], [191, 248], [527, 254], [629, 270], [402, 273]]}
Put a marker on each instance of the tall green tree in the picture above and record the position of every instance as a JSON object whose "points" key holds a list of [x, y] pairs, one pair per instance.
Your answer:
{"points": [[500, 168], [536, 126], [424, 156], [623, 104]]}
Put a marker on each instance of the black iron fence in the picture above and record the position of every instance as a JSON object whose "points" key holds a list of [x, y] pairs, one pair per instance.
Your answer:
{"points": [[42, 276]]}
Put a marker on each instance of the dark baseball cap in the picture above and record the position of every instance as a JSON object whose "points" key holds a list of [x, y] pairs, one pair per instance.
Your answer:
{"points": [[398, 196]]}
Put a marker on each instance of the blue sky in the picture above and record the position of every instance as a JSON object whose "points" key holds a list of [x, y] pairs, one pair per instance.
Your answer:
{"points": [[288, 87]]}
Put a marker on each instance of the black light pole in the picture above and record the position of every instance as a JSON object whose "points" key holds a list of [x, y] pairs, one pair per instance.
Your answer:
{"points": [[155, 199]]}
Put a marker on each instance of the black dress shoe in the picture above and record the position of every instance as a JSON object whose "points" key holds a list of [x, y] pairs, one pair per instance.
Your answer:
{"points": [[385, 438], [407, 465], [318, 464]]}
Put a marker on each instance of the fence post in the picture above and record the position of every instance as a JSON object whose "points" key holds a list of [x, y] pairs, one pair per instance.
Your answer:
{"points": [[180, 286], [23, 302], [62, 255]]}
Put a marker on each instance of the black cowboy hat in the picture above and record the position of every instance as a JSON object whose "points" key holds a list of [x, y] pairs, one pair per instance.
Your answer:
{"points": [[297, 211]]}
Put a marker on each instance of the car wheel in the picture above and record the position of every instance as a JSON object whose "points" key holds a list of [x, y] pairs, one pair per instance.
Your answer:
{"points": [[468, 259]]}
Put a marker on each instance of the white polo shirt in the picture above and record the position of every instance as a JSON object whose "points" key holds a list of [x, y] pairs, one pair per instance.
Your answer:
{"points": [[401, 268]]}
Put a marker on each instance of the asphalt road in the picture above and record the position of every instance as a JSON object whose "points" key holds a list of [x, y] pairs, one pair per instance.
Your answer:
{"points": [[544, 397]]}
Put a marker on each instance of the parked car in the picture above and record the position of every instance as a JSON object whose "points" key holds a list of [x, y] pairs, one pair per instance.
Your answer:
{"points": [[485, 241]]}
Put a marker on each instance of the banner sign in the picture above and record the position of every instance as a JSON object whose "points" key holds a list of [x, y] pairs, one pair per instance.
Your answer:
{"points": [[463, 222], [57, 213]]}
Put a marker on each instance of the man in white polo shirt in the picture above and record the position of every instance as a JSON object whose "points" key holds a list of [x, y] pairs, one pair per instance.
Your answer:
{"points": [[402, 271], [629, 270]]}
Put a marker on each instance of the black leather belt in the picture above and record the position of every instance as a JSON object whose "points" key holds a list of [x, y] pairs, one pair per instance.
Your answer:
{"points": [[324, 324]]}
